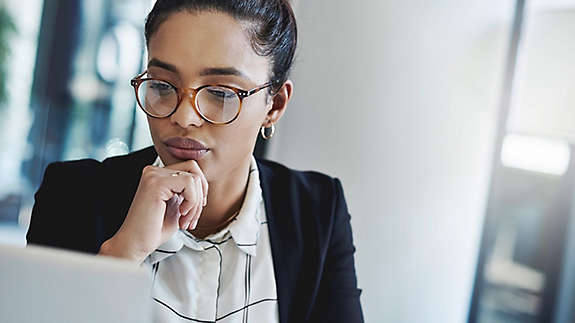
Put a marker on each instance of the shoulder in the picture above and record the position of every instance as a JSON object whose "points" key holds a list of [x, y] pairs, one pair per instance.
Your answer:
{"points": [[281, 172], [78, 177], [100, 191], [305, 184], [58, 173]]}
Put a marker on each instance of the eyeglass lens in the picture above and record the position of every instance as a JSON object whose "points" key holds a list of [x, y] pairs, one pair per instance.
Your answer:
{"points": [[215, 103]]}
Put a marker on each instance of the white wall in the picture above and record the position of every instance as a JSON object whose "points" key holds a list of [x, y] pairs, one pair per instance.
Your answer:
{"points": [[544, 96], [399, 99]]}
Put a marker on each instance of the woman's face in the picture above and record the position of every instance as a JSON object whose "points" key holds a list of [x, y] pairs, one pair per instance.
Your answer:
{"points": [[194, 49]]}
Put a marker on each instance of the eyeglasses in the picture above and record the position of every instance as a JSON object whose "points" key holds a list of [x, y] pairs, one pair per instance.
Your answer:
{"points": [[217, 104]]}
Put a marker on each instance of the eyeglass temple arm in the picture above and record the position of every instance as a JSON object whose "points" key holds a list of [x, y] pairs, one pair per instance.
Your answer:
{"points": [[259, 88], [139, 75]]}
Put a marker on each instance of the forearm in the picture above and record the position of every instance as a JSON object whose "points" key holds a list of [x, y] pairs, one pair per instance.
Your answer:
{"points": [[114, 247]]}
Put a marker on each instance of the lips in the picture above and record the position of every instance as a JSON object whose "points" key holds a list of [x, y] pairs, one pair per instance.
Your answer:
{"points": [[186, 148]]}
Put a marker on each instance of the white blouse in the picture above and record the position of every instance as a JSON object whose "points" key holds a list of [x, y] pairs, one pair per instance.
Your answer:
{"points": [[226, 277]]}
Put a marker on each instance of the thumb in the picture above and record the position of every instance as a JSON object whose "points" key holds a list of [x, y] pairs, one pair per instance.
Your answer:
{"points": [[172, 215]]}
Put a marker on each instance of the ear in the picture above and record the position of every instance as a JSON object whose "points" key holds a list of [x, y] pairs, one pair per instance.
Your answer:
{"points": [[279, 104]]}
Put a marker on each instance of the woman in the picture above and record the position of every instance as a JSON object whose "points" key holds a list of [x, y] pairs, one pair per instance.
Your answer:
{"points": [[229, 238]]}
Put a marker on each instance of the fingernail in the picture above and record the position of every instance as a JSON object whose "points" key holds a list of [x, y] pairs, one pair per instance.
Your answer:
{"points": [[194, 224], [205, 200]]}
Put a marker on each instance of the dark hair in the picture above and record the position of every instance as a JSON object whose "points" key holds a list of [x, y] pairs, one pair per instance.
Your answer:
{"points": [[273, 30]]}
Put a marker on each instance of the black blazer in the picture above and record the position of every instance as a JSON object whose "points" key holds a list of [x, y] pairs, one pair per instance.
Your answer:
{"points": [[81, 204]]}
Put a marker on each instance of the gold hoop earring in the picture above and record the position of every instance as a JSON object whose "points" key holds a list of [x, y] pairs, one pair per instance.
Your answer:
{"points": [[263, 132]]}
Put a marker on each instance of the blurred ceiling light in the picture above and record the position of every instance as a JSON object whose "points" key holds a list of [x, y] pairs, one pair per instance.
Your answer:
{"points": [[118, 53], [108, 57], [536, 154], [116, 147], [86, 88]]}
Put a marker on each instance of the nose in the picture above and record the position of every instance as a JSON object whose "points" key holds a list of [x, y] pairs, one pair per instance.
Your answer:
{"points": [[186, 115]]}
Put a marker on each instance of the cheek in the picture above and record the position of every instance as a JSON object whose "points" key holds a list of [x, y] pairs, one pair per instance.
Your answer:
{"points": [[155, 126], [240, 136]]}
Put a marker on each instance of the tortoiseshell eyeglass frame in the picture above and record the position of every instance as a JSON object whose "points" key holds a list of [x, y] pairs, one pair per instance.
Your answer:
{"points": [[185, 92]]}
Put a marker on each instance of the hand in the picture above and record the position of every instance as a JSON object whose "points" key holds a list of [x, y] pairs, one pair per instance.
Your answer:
{"points": [[167, 199]]}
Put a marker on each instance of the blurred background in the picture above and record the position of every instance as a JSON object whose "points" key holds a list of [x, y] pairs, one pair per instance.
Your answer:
{"points": [[451, 124]]}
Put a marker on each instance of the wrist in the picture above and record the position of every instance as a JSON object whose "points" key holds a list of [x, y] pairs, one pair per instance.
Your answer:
{"points": [[114, 247]]}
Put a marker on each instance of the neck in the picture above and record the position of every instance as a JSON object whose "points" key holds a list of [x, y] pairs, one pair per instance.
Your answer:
{"points": [[225, 197]]}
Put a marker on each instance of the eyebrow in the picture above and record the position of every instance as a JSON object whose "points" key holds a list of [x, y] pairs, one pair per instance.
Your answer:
{"points": [[167, 66], [222, 71], [205, 72]]}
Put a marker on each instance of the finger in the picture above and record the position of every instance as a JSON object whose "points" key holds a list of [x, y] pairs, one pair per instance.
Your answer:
{"points": [[196, 205], [172, 211], [172, 206], [194, 222], [194, 213], [204, 196], [189, 193], [192, 166], [191, 217], [185, 220], [186, 206], [187, 187]]}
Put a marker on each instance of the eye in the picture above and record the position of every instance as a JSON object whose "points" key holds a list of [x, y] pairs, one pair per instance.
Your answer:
{"points": [[220, 93], [161, 88]]}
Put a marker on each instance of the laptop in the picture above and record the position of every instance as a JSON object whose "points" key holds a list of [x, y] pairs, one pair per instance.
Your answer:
{"points": [[39, 284]]}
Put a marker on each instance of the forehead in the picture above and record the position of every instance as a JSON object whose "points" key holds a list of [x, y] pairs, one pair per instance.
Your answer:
{"points": [[193, 42]]}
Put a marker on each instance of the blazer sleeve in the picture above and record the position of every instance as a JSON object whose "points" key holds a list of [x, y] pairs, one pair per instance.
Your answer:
{"points": [[339, 296], [62, 215]]}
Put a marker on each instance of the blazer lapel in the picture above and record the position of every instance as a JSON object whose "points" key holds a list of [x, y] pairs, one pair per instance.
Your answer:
{"points": [[285, 240]]}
